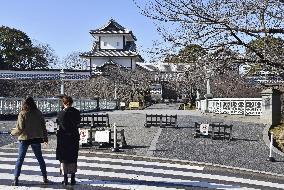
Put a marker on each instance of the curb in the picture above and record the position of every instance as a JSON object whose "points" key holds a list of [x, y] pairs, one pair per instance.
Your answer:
{"points": [[154, 142]]}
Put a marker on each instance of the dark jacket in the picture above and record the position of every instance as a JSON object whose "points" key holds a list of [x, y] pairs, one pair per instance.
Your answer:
{"points": [[30, 125], [68, 135]]}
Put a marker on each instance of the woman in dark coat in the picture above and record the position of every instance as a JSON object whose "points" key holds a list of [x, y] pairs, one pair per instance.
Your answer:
{"points": [[68, 139]]}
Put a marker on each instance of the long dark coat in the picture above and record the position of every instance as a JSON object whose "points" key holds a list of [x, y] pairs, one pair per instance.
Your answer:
{"points": [[68, 135]]}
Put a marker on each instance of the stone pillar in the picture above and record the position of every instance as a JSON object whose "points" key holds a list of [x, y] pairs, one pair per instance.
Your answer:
{"points": [[271, 106], [197, 95], [208, 89], [206, 102], [207, 97], [208, 94], [197, 100], [202, 105]]}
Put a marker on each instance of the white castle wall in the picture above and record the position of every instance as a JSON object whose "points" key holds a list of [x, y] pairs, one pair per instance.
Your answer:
{"points": [[111, 42]]}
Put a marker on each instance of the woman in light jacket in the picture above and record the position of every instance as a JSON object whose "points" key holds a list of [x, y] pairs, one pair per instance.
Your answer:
{"points": [[68, 139], [31, 130]]}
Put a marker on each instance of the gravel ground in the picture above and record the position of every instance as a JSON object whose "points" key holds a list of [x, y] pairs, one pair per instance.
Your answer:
{"points": [[6, 126], [246, 150]]}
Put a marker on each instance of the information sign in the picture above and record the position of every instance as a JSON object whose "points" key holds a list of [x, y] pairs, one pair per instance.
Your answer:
{"points": [[50, 126], [102, 136], [84, 135], [204, 128]]}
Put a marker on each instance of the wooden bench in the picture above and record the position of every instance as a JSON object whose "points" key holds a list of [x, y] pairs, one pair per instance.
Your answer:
{"points": [[98, 130], [216, 130], [93, 123], [95, 120], [90, 137], [221, 131], [120, 138], [103, 138], [160, 120]]}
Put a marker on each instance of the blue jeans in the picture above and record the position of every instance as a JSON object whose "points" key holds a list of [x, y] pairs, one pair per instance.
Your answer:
{"points": [[23, 147]]}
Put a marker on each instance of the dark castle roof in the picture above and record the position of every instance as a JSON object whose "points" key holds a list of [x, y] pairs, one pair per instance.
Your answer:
{"points": [[112, 27], [111, 53]]}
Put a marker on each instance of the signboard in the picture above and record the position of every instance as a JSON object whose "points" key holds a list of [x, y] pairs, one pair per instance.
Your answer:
{"points": [[84, 135], [204, 128], [133, 105], [50, 126], [102, 136]]}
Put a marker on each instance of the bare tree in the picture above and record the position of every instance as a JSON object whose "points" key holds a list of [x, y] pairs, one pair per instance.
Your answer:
{"points": [[213, 23], [74, 61], [48, 53]]}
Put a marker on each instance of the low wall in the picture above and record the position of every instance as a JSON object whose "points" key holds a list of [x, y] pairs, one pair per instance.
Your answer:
{"points": [[11, 106], [268, 106], [235, 106]]}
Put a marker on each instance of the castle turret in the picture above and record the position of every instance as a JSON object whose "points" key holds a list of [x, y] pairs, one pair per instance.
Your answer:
{"points": [[113, 44]]}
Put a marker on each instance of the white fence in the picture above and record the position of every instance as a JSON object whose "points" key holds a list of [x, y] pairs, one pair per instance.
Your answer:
{"points": [[48, 105], [44, 75], [233, 106], [107, 104]]}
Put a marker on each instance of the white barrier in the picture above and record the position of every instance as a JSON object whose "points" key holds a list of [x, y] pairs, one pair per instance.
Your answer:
{"points": [[235, 106]]}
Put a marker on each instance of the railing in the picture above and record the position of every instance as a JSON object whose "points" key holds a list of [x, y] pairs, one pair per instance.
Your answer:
{"points": [[107, 104], [265, 80], [49, 105], [85, 104], [235, 106]]}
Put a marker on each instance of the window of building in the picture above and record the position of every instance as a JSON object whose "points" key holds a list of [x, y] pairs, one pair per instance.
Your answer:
{"points": [[105, 44], [117, 43]]}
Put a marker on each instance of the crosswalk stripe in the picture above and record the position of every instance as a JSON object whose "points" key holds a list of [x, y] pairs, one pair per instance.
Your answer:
{"points": [[165, 180], [25, 188], [124, 175], [109, 166], [161, 171], [148, 163], [95, 183]]}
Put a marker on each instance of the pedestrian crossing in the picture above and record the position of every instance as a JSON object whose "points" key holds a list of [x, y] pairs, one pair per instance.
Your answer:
{"points": [[109, 171]]}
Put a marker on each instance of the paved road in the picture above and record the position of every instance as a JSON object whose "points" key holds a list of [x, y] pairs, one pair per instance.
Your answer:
{"points": [[118, 171]]}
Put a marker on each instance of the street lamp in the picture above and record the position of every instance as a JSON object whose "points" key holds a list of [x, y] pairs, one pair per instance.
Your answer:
{"points": [[115, 89], [62, 75], [134, 84], [208, 75]]}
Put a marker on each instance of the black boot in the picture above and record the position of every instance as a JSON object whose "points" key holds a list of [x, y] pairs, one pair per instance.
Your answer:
{"points": [[73, 181], [45, 180], [65, 181], [16, 181]]}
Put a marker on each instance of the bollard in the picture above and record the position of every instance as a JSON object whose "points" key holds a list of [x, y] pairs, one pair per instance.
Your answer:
{"points": [[123, 141], [115, 149], [271, 158]]}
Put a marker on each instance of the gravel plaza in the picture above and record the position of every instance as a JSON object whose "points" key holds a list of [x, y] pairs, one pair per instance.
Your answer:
{"points": [[248, 149]]}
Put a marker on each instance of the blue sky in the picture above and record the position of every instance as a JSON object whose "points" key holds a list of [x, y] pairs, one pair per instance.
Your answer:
{"points": [[65, 24]]}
